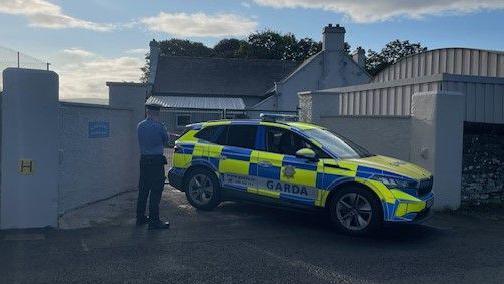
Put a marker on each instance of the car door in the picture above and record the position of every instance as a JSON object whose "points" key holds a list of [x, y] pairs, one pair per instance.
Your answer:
{"points": [[282, 175], [236, 158]]}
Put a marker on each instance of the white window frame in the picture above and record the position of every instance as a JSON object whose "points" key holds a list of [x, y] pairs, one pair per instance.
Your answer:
{"points": [[177, 116]]}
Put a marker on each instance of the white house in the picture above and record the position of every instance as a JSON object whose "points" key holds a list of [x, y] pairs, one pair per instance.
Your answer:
{"points": [[332, 67]]}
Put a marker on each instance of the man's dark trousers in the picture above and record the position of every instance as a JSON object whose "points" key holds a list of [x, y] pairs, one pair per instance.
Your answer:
{"points": [[152, 178]]}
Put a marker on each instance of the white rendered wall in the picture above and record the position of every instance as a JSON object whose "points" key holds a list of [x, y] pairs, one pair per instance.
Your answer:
{"points": [[29, 131], [130, 96], [329, 69], [437, 136], [388, 136], [95, 168]]}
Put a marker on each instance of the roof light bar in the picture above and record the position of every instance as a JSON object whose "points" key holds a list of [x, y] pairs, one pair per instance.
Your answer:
{"points": [[273, 117]]}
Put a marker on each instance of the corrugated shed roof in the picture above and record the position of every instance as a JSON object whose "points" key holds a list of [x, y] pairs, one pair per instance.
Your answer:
{"points": [[190, 102], [453, 60], [218, 76]]}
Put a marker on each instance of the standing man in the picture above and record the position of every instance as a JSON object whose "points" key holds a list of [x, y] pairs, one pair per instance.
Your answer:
{"points": [[152, 137]]}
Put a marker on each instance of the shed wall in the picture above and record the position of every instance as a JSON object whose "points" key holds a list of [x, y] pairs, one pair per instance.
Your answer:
{"points": [[484, 96]]}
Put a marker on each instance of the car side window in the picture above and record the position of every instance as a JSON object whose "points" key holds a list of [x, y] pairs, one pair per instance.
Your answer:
{"points": [[213, 134], [284, 141], [243, 136]]}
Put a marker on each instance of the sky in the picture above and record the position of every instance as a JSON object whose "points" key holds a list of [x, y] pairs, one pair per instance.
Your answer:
{"points": [[93, 41]]}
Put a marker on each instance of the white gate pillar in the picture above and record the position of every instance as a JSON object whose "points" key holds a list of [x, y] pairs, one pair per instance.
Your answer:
{"points": [[436, 142], [29, 149]]}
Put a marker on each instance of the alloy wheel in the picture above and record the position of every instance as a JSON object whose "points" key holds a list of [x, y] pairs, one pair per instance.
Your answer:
{"points": [[354, 211], [201, 189]]}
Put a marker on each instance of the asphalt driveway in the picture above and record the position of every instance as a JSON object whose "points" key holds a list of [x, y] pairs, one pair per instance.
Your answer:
{"points": [[247, 243]]}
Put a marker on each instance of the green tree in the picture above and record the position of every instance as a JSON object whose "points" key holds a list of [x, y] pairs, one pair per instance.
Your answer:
{"points": [[270, 45], [229, 48], [179, 47], [145, 69], [305, 48], [265, 44], [390, 54]]}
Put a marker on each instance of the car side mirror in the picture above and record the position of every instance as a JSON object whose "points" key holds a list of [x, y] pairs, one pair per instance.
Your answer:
{"points": [[306, 153]]}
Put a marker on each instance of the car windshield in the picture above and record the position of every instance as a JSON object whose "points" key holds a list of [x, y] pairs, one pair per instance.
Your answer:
{"points": [[336, 144]]}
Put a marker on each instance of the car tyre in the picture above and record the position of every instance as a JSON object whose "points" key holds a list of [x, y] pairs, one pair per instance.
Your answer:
{"points": [[356, 211], [202, 189]]}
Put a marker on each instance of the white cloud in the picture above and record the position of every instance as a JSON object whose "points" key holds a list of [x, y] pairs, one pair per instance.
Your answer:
{"points": [[41, 13], [365, 11], [245, 4], [83, 74], [141, 51], [200, 24], [78, 52]]}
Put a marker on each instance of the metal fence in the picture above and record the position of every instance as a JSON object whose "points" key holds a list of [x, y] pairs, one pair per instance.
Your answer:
{"points": [[16, 59]]}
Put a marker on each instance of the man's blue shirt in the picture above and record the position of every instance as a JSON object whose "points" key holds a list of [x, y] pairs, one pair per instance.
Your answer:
{"points": [[152, 137]]}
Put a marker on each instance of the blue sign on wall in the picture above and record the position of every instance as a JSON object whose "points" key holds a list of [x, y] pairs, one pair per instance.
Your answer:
{"points": [[98, 129]]}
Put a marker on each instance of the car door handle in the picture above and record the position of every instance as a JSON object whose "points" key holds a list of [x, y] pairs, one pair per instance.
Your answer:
{"points": [[264, 164]]}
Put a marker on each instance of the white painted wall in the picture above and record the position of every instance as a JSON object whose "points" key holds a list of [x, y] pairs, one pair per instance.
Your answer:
{"points": [[95, 168], [329, 69], [437, 136], [29, 131], [389, 136], [130, 96]]}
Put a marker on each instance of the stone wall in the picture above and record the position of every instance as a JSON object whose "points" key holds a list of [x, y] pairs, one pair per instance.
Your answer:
{"points": [[483, 163], [305, 107]]}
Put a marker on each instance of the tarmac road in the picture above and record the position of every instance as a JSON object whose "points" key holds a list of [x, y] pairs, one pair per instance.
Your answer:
{"points": [[247, 243]]}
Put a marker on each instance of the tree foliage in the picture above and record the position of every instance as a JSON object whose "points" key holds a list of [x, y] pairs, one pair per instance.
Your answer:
{"points": [[229, 48], [390, 54], [269, 44], [265, 44]]}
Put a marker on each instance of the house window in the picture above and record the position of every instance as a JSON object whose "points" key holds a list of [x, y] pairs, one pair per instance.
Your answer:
{"points": [[183, 120]]}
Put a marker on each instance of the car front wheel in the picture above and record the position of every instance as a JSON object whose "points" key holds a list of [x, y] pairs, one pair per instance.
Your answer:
{"points": [[356, 211]]}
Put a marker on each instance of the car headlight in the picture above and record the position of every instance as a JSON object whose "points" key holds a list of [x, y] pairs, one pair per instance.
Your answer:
{"points": [[396, 183]]}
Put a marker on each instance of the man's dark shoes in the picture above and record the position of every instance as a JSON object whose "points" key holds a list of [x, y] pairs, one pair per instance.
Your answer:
{"points": [[142, 220], [158, 225]]}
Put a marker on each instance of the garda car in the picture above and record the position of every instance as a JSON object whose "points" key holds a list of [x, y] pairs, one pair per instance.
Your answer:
{"points": [[295, 164]]}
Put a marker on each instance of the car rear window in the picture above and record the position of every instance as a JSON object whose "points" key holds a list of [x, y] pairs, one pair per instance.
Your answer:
{"points": [[213, 134], [242, 136]]}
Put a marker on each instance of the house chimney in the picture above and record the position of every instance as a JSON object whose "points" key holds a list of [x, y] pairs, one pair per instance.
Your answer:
{"points": [[359, 56], [155, 50], [333, 38]]}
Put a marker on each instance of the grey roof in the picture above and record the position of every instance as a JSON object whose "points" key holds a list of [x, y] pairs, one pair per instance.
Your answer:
{"points": [[218, 76], [190, 102]]}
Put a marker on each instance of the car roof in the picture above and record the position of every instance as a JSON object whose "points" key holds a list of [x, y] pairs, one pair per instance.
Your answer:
{"points": [[283, 124]]}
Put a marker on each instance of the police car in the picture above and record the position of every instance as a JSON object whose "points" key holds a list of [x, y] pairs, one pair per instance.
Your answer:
{"points": [[280, 161]]}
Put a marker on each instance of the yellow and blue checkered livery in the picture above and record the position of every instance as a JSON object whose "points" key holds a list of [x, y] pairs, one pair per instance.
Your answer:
{"points": [[403, 189]]}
